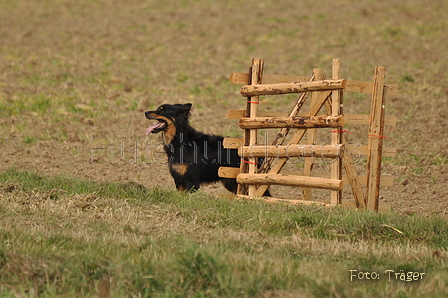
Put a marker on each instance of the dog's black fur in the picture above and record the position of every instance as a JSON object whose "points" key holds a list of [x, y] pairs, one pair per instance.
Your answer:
{"points": [[193, 157]]}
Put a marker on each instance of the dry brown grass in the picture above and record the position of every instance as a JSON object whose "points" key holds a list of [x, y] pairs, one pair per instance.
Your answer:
{"points": [[55, 241], [58, 242]]}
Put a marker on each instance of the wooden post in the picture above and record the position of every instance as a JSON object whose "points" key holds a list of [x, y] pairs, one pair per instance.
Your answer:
{"points": [[312, 135], [244, 166], [336, 137], [256, 78], [375, 142], [352, 177]]}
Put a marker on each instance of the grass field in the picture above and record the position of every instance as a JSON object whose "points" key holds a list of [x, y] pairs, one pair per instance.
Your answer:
{"points": [[66, 237], [86, 210]]}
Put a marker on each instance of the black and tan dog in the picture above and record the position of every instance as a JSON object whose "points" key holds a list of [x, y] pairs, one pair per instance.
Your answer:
{"points": [[193, 157]]}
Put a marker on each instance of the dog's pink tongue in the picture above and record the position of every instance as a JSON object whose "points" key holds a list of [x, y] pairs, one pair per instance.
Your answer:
{"points": [[151, 128]]}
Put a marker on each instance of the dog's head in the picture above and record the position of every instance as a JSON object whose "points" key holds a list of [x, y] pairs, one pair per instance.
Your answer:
{"points": [[170, 118]]}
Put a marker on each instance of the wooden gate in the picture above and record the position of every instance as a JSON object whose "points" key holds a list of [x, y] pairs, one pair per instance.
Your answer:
{"points": [[325, 95]]}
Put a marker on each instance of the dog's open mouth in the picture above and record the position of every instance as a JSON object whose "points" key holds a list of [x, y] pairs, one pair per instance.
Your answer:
{"points": [[161, 125]]}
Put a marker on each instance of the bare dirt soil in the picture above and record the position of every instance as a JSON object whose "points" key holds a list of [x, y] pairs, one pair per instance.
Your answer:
{"points": [[117, 161], [75, 80]]}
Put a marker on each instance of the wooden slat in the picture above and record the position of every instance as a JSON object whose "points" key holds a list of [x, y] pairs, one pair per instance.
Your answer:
{"points": [[287, 180], [293, 150], [233, 143], [358, 119], [244, 166], [363, 119], [363, 151], [336, 136], [238, 114], [239, 78], [386, 181], [351, 85], [228, 172], [376, 129], [353, 179], [292, 122], [312, 135], [294, 87], [367, 87], [256, 78]]}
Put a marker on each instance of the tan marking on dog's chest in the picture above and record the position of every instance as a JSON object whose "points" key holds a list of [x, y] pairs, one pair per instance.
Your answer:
{"points": [[180, 168], [169, 133]]}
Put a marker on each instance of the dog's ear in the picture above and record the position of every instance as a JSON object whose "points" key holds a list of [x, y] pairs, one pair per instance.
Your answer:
{"points": [[186, 109]]}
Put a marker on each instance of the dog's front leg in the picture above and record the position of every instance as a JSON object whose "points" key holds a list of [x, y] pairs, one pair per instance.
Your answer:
{"points": [[180, 183], [191, 186], [185, 185], [181, 187]]}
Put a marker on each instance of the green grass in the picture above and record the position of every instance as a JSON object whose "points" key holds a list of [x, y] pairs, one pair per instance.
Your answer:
{"points": [[62, 235]]}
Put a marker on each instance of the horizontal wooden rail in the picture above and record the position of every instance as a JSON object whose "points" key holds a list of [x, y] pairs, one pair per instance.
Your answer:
{"points": [[351, 85], [292, 150], [292, 122], [287, 180], [238, 114], [364, 119], [228, 172], [361, 150], [233, 143], [295, 87], [240, 78], [359, 119], [362, 179]]}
